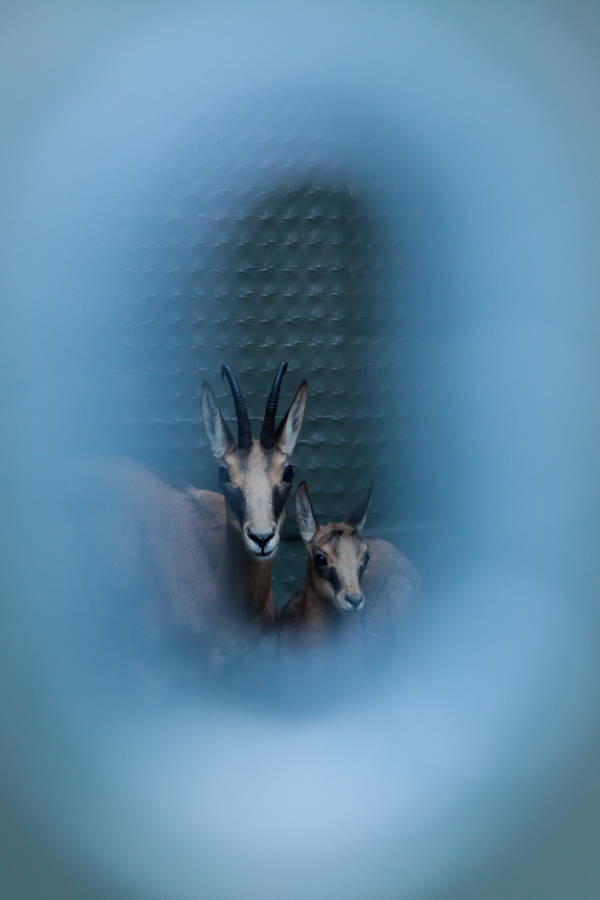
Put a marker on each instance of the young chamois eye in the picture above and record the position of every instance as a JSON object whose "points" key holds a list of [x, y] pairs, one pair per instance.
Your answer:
{"points": [[288, 474], [223, 475], [320, 560]]}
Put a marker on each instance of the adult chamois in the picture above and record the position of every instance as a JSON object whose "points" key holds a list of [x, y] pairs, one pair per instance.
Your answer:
{"points": [[358, 596], [196, 563], [255, 476]]}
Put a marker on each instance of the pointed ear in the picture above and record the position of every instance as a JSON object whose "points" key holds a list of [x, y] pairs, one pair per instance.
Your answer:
{"points": [[307, 521], [358, 516], [289, 427], [219, 435]]}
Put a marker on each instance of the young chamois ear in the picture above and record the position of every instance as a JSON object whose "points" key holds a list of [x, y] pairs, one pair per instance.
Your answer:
{"points": [[288, 430], [219, 435], [307, 521], [358, 516]]}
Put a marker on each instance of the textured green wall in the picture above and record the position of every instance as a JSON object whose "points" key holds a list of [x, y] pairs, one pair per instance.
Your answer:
{"points": [[295, 274]]}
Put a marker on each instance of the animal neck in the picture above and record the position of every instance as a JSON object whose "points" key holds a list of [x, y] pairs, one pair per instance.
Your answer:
{"points": [[317, 610], [251, 577]]}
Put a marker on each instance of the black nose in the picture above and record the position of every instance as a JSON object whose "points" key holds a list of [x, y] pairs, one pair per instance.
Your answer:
{"points": [[261, 539], [353, 599]]}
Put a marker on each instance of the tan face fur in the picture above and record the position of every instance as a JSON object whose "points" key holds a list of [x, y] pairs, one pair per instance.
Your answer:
{"points": [[255, 481], [338, 556], [256, 493]]}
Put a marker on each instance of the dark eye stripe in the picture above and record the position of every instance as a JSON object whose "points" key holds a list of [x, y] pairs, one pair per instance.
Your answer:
{"points": [[236, 500], [333, 578], [279, 496]]}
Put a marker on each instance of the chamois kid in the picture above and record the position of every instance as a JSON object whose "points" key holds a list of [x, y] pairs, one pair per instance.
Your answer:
{"points": [[358, 592], [197, 563]]}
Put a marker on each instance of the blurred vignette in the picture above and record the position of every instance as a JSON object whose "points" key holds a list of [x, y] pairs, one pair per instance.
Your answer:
{"points": [[141, 147]]}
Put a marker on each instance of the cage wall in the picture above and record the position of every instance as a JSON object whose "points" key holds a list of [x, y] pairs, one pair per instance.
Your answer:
{"points": [[299, 242]]}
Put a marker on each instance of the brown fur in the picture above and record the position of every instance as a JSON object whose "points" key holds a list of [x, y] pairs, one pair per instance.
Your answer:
{"points": [[198, 563], [254, 473], [312, 607], [171, 549], [367, 573], [391, 586]]}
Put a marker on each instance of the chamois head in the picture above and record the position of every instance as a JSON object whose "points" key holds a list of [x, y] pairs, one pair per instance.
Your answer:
{"points": [[337, 555], [255, 475]]}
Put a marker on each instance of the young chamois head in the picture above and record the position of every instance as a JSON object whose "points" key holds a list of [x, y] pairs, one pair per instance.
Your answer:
{"points": [[337, 555], [255, 475]]}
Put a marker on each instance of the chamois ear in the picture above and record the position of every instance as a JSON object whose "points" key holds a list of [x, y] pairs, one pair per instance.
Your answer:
{"points": [[307, 521], [358, 516], [289, 427], [219, 435]]}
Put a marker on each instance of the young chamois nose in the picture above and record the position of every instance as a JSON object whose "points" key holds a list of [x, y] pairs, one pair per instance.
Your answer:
{"points": [[261, 539]]}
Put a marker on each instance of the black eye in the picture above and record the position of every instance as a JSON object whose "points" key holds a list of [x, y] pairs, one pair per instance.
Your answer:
{"points": [[223, 475], [288, 474], [366, 562], [320, 560]]}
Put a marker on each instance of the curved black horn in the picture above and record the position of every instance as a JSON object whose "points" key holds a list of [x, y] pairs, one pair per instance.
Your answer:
{"points": [[267, 434], [244, 432]]}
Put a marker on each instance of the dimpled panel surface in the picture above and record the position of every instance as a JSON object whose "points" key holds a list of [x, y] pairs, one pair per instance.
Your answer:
{"points": [[283, 246]]}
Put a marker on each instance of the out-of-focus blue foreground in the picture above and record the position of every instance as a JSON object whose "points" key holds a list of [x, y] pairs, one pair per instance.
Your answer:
{"points": [[474, 772]]}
